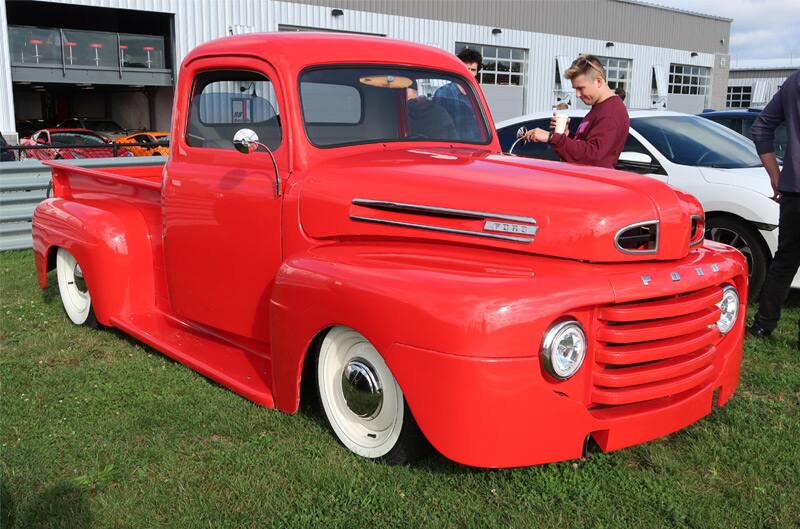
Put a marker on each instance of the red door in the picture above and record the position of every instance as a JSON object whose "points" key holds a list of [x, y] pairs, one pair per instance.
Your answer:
{"points": [[222, 231]]}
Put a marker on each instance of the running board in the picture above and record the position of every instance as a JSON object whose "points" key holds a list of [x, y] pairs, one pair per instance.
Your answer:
{"points": [[245, 372]]}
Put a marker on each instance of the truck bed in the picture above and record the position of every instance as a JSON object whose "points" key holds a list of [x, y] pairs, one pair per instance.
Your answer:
{"points": [[71, 180]]}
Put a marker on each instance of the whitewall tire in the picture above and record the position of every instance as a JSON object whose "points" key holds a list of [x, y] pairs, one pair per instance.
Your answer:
{"points": [[362, 401], [75, 294]]}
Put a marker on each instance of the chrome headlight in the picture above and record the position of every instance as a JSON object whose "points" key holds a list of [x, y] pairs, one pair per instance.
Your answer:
{"points": [[729, 309], [563, 349]]}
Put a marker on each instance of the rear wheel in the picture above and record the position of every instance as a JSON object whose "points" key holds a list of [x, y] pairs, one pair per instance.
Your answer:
{"points": [[742, 236], [362, 401], [75, 294]]}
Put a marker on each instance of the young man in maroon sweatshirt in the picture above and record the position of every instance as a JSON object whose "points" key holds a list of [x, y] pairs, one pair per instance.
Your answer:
{"points": [[602, 133]]}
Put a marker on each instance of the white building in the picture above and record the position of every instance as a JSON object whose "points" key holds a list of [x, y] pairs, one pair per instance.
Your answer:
{"points": [[753, 82], [118, 59]]}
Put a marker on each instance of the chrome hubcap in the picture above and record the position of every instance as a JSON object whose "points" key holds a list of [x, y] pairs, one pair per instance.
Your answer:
{"points": [[362, 389], [79, 282]]}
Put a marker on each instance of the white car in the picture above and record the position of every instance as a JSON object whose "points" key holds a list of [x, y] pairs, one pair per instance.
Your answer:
{"points": [[715, 164]]}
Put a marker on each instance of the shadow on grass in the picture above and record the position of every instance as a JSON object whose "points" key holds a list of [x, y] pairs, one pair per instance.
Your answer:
{"points": [[61, 506], [50, 294]]}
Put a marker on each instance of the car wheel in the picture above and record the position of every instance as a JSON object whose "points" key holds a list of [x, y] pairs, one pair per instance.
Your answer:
{"points": [[746, 239], [362, 401], [75, 294]]}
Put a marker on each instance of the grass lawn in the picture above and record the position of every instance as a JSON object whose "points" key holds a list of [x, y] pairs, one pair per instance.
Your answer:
{"points": [[97, 430]]}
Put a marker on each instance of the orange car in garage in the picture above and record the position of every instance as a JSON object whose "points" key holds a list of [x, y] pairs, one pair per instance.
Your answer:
{"points": [[147, 137]]}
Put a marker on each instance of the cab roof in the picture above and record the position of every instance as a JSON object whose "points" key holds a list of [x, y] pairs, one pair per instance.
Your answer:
{"points": [[298, 50]]}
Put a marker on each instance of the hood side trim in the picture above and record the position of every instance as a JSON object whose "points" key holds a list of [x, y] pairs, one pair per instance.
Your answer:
{"points": [[436, 211], [442, 229]]}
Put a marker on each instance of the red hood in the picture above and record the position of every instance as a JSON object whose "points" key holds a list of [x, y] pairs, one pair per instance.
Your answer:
{"points": [[546, 208]]}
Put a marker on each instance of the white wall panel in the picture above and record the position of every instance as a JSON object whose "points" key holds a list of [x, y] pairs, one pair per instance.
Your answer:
{"points": [[198, 21]]}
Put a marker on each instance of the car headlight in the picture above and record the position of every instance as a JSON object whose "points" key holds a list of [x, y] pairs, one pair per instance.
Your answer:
{"points": [[563, 349], [729, 309]]}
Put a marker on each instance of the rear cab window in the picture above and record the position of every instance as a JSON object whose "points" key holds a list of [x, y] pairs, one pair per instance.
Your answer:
{"points": [[357, 105]]}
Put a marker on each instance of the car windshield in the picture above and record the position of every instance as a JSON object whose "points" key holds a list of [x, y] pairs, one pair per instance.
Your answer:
{"points": [[103, 126], [75, 139], [353, 105], [695, 141]]}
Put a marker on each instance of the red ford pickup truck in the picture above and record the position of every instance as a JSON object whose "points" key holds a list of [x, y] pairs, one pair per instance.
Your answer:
{"points": [[335, 211]]}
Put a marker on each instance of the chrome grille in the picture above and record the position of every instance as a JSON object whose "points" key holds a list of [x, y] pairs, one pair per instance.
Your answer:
{"points": [[657, 348]]}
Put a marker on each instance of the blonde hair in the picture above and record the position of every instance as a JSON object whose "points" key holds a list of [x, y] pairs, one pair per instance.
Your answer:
{"points": [[587, 65]]}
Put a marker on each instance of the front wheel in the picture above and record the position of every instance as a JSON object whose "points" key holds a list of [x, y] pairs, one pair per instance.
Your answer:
{"points": [[362, 401], [75, 294], [746, 239]]}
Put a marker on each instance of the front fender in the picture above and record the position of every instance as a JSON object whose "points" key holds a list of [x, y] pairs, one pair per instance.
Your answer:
{"points": [[468, 302], [111, 244]]}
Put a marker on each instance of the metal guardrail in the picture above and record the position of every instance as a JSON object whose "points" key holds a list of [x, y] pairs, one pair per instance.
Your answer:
{"points": [[22, 154], [24, 184]]}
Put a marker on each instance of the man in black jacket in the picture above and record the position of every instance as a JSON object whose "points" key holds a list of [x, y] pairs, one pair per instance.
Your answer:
{"points": [[784, 108]]}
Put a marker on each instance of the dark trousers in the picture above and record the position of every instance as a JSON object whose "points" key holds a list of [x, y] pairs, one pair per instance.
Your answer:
{"points": [[784, 266]]}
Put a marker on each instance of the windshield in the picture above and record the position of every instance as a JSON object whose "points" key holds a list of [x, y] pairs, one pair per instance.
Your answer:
{"points": [[695, 141], [75, 139], [103, 126], [348, 106]]}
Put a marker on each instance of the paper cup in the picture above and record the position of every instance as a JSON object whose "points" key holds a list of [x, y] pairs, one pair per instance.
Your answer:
{"points": [[561, 123]]}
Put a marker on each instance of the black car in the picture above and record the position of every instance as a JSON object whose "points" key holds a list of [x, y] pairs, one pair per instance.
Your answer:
{"points": [[742, 121]]}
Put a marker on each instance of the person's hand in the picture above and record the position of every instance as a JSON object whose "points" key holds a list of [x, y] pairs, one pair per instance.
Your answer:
{"points": [[553, 125], [776, 195], [537, 135]]}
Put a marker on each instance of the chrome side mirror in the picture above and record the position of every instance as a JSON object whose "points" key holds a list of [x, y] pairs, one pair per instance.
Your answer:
{"points": [[523, 130], [245, 141]]}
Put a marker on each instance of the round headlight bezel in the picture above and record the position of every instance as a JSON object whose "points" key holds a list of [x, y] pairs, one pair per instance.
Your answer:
{"points": [[725, 328], [552, 338]]}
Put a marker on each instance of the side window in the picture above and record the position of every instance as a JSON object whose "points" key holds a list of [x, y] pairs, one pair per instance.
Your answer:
{"points": [[747, 125], [731, 123], [224, 101], [634, 145]]}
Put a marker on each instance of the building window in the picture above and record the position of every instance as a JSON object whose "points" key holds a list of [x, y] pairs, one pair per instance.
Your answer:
{"points": [[691, 80], [618, 72], [740, 96], [501, 66]]}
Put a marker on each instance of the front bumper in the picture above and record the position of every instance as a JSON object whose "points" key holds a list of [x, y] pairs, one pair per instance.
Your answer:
{"points": [[500, 413]]}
